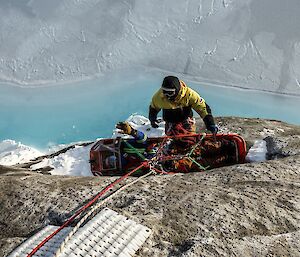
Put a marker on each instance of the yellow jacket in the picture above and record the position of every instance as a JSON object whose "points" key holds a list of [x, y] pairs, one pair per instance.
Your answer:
{"points": [[186, 100]]}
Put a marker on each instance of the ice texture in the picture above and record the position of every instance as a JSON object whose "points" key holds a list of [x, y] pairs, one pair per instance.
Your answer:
{"points": [[247, 43]]}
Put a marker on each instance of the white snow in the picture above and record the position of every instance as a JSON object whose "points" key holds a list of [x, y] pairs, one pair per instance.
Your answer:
{"points": [[257, 153], [141, 123], [12, 152], [75, 162]]}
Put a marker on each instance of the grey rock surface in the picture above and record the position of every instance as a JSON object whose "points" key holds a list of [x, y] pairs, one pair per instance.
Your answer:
{"points": [[250, 209]]}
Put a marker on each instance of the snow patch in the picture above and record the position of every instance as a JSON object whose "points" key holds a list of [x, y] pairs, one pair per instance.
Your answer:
{"points": [[257, 153], [12, 152], [143, 124], [74, 162], [267, 132]]}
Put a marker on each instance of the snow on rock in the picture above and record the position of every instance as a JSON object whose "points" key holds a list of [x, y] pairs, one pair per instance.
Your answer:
{"points": [[257, 153], [74, 162], [143, 124], [267, 132], [12, 152]]}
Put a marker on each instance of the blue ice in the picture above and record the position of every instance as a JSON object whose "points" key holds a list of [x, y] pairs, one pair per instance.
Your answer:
{"points": [[86, 110]]}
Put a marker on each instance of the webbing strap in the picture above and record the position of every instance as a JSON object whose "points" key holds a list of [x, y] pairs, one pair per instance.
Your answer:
{"points": [[130, 150], [192, 151], [196, 145], [198, 164], [135, 151]]}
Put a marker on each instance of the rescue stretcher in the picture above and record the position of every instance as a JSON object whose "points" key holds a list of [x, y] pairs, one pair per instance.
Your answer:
{"points": [[234, 152]]}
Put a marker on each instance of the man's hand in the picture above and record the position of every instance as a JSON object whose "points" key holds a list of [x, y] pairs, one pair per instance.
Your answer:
{"points": [[213, 129], [153, 117], [125, 127], [210, 124]]}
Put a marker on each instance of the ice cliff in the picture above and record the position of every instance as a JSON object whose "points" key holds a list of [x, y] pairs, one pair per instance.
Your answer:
{"points": [[244, 43]]}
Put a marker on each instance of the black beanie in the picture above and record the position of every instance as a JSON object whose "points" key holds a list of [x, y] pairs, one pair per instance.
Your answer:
{"points": [[171, 82]]}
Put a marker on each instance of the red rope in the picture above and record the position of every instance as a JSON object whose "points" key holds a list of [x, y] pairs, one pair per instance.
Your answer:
{"points": [[164, 172], [71, 219], [161, 145], [183, 135], [195, 134], [84, 208]]}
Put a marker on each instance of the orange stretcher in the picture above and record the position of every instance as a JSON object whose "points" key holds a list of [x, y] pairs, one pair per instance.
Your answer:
{"points": [[107, 156]]}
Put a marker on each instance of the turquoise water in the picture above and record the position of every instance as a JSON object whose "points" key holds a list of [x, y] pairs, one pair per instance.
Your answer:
{"points": [[249, 103], [87, 110]]}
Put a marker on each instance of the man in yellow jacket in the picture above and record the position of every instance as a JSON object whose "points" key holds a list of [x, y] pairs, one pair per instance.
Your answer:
{"points": [[177, 101]]}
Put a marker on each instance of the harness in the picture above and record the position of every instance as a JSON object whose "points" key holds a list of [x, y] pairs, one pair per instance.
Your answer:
{"points": [[168, 156]]}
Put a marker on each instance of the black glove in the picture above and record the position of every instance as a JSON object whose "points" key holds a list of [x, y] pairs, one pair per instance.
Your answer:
{"points": [[153, 117], [210, 124], [213, 129]]}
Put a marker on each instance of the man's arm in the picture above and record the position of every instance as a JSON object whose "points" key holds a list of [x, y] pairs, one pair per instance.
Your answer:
{"points": [[153, 111], [204, 110], [153, 117], [209, 121]]}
